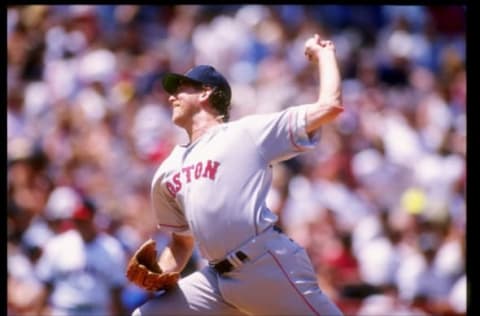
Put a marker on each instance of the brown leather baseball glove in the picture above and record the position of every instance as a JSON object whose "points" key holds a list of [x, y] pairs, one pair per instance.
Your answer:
{"points": [[144, 271]]}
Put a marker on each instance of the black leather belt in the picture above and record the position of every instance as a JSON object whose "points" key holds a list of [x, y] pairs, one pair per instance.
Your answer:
{"points": [[225, 266]]}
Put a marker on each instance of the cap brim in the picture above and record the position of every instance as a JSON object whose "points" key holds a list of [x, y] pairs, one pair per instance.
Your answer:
{"points": [[171, 81]]}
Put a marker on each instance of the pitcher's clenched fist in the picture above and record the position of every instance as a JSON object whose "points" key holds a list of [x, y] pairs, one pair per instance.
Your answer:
{"points": [[315, 46]]}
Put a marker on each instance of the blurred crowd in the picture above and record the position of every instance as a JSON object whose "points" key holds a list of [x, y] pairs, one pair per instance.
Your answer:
{"points": [[379, 204]]}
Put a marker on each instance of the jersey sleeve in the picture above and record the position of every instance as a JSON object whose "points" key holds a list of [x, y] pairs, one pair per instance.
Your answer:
{"points": [[169, 217], [281, 135]]}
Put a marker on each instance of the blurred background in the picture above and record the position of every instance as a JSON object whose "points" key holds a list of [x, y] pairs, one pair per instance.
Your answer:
{"points": [[379, 205]]}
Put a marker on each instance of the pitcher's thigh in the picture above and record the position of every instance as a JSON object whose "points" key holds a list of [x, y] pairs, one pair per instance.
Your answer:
{"points": [[300, 279], [281, 282], [197, 294]]}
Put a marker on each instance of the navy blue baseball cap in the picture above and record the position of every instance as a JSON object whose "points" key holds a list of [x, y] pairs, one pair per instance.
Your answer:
{"points": [[202, 74]]}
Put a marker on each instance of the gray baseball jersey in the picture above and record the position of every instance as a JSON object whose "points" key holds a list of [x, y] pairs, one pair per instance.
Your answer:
{"points": [[215, 189]]}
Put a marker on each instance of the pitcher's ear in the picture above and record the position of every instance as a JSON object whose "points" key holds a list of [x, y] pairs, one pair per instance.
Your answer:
{"points": [[206, 92]]}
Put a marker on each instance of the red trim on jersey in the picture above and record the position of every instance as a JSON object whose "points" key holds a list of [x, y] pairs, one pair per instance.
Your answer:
{"points": [[292, 284], [173, 226]]}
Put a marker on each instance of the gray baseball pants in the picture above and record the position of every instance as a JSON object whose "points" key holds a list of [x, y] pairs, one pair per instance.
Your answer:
{"points": [[281, 281]]}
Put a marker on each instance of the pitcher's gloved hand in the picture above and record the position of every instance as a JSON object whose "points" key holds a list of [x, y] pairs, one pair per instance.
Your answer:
{"points": [[144, 271]]}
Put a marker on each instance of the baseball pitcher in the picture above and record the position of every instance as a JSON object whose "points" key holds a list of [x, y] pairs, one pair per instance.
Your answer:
{"points": [[212, 191]]}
